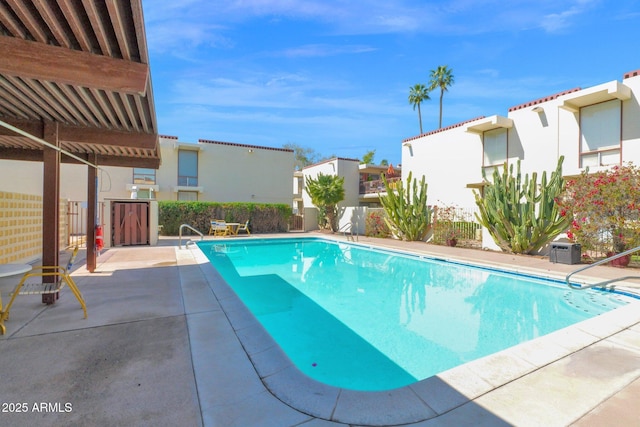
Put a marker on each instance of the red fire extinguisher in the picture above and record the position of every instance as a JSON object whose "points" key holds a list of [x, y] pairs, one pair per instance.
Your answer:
{"points": [[99, 238]]}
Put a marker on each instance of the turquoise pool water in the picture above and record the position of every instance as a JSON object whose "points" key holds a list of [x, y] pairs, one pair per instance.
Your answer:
{"points": [[367, 319]]}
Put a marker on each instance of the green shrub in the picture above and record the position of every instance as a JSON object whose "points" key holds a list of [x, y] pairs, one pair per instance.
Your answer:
{"points": [[263, 217]]}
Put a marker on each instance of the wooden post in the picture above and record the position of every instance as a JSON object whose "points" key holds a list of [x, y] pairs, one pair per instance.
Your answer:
{"points": [[92, 201], [51, 204]]}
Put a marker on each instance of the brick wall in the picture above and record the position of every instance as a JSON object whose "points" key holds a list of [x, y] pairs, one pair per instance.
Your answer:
{"points": [[21, 227]]}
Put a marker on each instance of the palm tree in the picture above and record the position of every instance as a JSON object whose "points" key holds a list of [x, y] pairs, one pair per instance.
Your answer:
{"points": [[417, 94], [326, 191], [441, 77]]}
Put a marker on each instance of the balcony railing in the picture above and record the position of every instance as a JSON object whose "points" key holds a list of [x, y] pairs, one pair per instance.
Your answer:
{"points": [[376, 185]]}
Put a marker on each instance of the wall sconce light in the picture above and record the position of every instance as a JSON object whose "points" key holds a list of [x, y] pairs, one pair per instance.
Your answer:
{"points": [[250, 150], [537, 109]]}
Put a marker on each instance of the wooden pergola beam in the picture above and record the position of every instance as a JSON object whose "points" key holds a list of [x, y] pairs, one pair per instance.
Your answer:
{"points": [[85, 135], [32, 127], [27, 59], [92, 202], [131, 162], [119, 161], [107, 137], [21, 154], [50, 204]]}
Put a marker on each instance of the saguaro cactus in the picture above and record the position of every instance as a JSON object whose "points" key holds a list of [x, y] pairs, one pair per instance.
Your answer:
{"points": [[522, 216], [409, 217]]}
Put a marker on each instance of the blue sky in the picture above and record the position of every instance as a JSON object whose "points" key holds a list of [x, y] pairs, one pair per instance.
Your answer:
{"points": [[334, 75]]}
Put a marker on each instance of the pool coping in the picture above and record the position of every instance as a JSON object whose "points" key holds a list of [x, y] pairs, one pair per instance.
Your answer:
{"points": [[420, 401]]}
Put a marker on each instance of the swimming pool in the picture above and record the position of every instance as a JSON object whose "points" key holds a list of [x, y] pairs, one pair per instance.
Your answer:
{"points": [[366, 319]]}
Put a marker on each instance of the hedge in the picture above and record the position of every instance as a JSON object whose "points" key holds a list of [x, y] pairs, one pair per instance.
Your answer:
{"points": [[263, 217]]}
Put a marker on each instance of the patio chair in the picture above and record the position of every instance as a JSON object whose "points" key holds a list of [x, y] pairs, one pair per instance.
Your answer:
{"points": [[218, 228], [244, 227], [60, 277]]}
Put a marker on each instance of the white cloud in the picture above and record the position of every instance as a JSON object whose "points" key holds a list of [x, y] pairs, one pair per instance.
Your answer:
{"points": [[176, 26], [163, 38], [283, 92], [300, 8], [223, 92], [323, 50], [558, 21]]}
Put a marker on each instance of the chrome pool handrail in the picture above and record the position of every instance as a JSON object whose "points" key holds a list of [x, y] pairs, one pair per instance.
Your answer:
{"points": [[344, 231], [180, 234]]}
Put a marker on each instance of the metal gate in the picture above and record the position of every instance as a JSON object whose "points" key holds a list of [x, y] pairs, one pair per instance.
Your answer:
{"points": [[77, 222], [130, 223], [296, 223]]}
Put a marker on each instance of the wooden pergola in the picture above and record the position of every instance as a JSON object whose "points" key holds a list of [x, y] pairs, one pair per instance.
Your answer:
{"points": [[75, 74]]}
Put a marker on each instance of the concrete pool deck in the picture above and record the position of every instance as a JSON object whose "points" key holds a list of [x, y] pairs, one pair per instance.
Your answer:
{"points": [[166, 343]]}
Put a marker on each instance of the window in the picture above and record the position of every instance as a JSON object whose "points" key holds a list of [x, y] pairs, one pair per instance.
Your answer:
{"points": [[144, 176], [600, 134], [188, 168], [188, 196], [494, 149]]}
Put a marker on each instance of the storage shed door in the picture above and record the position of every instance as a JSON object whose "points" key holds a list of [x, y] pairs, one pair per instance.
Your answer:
{"points": [[130, 223]]}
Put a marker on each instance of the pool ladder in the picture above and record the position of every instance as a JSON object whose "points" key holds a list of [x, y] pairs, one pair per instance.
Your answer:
{"points": [[602, 261], [348, 228], [188, 241]]}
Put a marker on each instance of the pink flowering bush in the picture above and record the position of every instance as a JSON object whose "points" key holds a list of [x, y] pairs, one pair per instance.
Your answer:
{"points": [[605, 209], [375, 225]]}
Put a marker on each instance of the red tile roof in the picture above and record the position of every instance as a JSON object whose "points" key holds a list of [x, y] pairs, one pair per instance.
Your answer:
{"points": [[442, 129], [541, 100], [207, 141]]}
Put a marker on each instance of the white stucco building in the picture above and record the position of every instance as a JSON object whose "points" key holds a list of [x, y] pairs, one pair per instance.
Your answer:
{"points": [[339, 166], [362, 189], [221, 172], [596, 127], [205, 171]]}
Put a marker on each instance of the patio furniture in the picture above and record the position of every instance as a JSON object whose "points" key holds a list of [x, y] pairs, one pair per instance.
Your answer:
{"points": [[232, 228], [59, 277], [9, 275], [218, 228], [244, 227], [7, 270]]}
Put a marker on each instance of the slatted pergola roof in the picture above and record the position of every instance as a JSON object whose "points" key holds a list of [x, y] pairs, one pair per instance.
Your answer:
{"points": [[75, 87], [83, 66]]}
